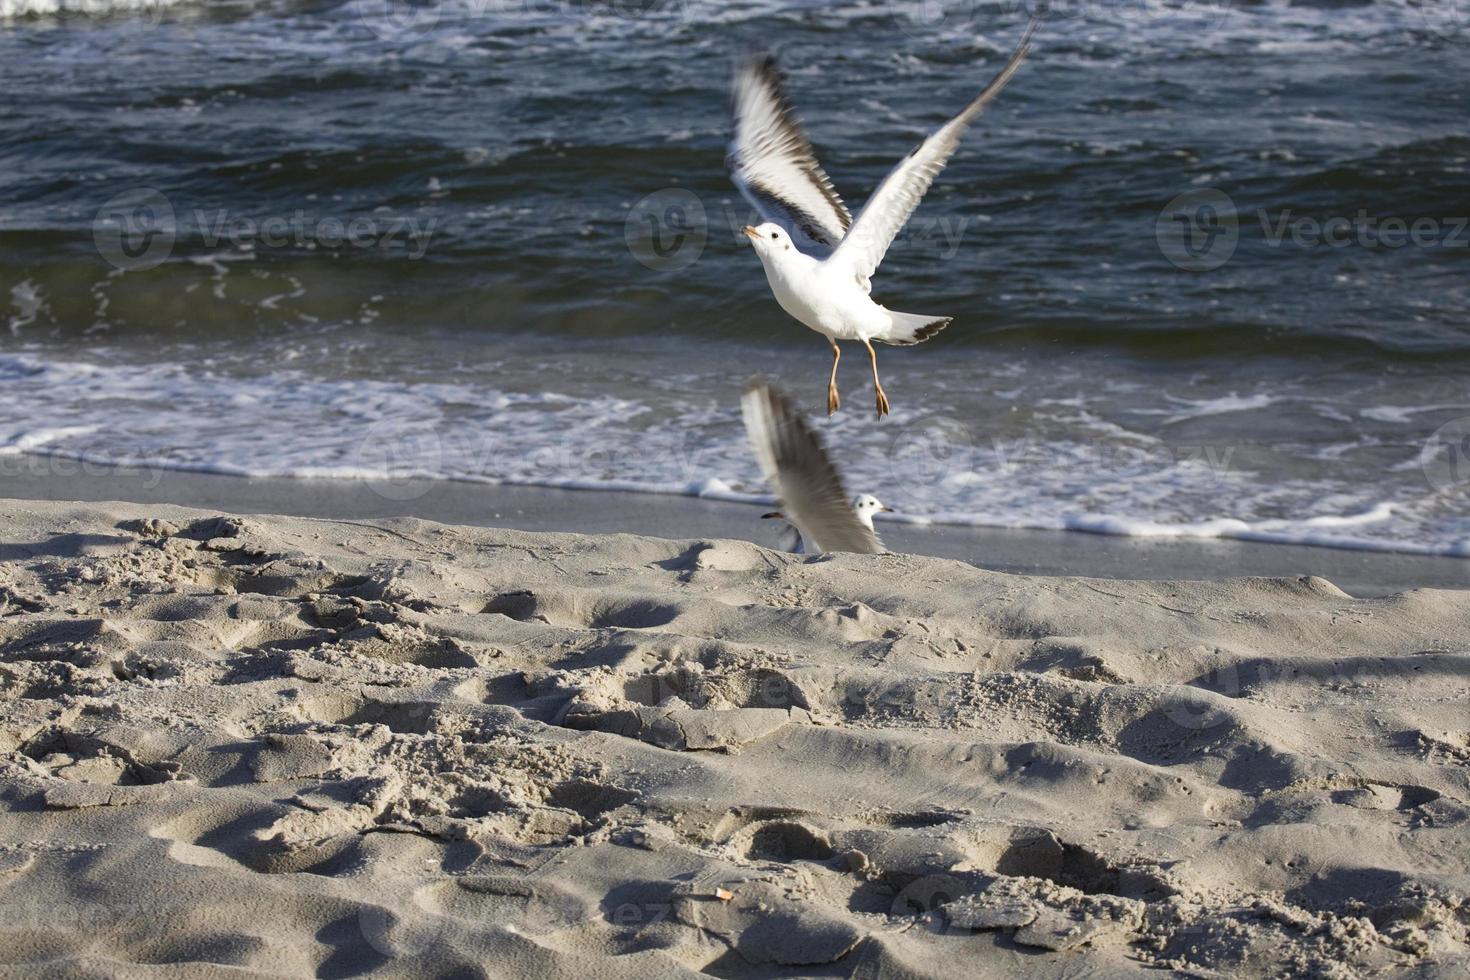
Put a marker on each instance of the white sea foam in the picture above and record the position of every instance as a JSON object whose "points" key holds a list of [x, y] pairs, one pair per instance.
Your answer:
{"points": [[23, 8], [216, 416], [1403, 414], [1194, 408], [28, 302], [23, 440]]}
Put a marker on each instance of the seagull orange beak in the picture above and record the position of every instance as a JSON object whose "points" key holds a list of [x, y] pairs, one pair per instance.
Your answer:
{"points": [[750, 232]]}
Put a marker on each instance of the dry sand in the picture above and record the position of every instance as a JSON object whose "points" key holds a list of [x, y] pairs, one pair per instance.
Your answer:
{"points": [[295, 746]]}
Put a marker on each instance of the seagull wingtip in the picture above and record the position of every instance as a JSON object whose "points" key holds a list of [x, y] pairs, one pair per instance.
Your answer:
{"points": [[755, 61]]}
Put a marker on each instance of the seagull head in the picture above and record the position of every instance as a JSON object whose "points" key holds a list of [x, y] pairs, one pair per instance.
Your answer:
{"points": [[865, 505], [769, 239]]}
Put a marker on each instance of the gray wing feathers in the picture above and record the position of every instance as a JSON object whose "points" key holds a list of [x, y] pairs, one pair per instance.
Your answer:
{"points": [[794, 461], [894, 201], [772, 162]]}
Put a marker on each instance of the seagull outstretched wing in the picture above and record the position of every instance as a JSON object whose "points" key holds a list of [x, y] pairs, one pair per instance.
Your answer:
{"points": [[894, 201], [810, 488], [772, 162]]}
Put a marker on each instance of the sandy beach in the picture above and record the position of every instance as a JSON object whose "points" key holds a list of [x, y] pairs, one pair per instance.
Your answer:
{"points": [[279, 745], [392, 395]]}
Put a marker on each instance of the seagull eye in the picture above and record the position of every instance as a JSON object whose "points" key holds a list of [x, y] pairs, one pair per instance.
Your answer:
{"points": [[775, 234]]}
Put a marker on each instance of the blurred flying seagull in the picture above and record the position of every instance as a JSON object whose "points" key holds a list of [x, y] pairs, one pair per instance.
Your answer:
{"points": [[819, 260], [864, 505], [810, 489]]}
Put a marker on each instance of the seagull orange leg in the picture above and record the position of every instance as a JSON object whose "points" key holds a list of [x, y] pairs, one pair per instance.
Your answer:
{"points": [[877, 385], [834, 401]]}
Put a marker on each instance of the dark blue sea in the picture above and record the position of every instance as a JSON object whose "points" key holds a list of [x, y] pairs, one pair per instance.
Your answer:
{"points": [[1209, 263]]}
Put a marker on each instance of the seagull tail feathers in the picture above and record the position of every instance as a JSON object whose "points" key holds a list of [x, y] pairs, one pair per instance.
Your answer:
{"points": [[912, 328]]}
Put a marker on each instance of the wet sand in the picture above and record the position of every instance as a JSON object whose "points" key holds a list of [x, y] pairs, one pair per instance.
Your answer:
{"points": [[596, 512]]}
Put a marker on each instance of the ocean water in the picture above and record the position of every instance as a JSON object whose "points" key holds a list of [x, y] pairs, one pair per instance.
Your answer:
{"points": [[1209, 263]]}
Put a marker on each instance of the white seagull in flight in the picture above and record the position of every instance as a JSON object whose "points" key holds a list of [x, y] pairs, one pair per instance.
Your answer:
{"points": [[810, 489], [819, 260]]}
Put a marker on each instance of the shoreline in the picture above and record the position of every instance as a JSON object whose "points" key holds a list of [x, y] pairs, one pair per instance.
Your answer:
{"points": [[531, 508]]}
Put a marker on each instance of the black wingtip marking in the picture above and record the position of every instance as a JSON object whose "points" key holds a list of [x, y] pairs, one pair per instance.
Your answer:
{"points": [[922, 334], [764, 64], [930, 329]]}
